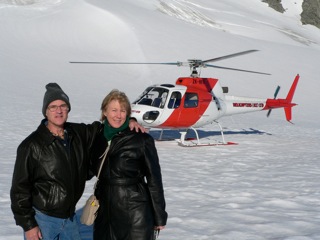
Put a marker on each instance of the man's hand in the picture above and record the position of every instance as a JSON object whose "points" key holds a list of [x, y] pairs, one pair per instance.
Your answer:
{"points": [[159, 227], [133, 124], [33, 234]]}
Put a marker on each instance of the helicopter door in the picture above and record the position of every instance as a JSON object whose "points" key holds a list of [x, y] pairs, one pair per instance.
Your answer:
{"points": [[175, 100], [190, 109]]}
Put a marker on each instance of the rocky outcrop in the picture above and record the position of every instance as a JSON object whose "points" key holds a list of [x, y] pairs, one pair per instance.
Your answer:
{"points": [[310, 10], [275, 4]]}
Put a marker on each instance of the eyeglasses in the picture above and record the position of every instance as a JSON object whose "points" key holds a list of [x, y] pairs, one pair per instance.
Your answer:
{"points": [[63, 107]]}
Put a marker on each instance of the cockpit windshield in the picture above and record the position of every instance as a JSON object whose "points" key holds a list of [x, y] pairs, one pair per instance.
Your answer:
{"points": [[153, 96]]}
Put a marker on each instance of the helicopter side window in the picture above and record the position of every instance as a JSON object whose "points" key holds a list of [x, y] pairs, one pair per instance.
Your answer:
{"points": [[175, 100], [156, 102], [191, 100]]}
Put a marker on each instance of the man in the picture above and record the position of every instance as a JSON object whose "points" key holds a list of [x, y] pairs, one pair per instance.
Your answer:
{"points": [[51, 170]]}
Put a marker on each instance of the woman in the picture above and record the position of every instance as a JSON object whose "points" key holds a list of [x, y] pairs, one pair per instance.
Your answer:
{"points": [[130, 191]]}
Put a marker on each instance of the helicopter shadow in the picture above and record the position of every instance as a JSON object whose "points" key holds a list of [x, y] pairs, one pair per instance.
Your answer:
{"points": [[172, 134]]}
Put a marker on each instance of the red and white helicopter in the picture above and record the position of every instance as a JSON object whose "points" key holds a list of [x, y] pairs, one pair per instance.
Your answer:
{"points": [[193, 102]]}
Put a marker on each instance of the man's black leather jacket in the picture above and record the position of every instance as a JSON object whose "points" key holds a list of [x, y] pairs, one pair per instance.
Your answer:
{"points": [[50, 174]]}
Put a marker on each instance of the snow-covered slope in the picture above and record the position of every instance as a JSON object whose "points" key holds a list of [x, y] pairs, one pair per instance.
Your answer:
{"points": [[264, 188]]}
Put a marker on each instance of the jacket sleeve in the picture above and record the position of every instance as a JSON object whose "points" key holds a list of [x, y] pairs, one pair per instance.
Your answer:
{"points": [[93, 132], [21, 190], [154, 181]]}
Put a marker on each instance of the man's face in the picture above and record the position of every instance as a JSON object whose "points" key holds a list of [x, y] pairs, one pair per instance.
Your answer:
{"points": [[57, 113]]}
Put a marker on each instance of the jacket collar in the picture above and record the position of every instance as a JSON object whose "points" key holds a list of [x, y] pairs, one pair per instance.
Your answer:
{"points": [[45, 134]]}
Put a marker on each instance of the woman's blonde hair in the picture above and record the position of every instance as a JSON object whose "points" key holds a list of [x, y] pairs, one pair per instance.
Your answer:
{"points": [[121, 97]]}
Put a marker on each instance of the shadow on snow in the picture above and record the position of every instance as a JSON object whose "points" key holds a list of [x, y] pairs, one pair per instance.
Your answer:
{"points": [[171, 134]]}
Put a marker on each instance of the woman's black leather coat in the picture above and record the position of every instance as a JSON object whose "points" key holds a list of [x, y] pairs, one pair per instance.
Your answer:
{"points": [[130, 188]]}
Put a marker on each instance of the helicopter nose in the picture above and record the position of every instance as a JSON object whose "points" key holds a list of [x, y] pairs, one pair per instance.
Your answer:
{"points": [[150, 116]]}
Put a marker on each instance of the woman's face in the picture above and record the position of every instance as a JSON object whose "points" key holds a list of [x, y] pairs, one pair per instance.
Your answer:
{"points": [[115, 114]]}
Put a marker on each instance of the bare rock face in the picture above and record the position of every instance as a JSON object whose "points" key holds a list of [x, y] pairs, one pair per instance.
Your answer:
{"points": [[275, 4], [310, 10]]}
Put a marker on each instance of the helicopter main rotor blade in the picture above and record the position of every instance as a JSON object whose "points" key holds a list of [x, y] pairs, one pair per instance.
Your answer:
{"points": [[167, 63], [229, 56], [176, 63], [235, 69], [192, 63]]}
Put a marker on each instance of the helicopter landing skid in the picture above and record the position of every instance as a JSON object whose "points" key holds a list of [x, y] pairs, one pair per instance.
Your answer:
{"points": [[196, 141]]}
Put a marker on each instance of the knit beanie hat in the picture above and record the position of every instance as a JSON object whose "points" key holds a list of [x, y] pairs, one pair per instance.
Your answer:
{"points": [[54, 92]]}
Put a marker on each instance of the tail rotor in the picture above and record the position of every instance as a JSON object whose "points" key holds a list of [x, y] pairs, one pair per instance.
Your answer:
{"points": [[275, 96]]}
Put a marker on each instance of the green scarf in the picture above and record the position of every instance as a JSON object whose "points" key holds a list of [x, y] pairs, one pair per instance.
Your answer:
{"points": [[109, 131]]}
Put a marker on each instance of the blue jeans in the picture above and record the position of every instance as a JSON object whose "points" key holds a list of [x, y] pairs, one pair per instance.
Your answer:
{"points": [[53, 228]]}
